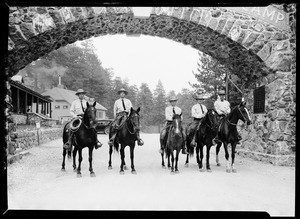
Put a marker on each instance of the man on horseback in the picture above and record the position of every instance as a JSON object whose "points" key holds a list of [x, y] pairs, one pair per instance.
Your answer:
{"points": [[122, 108], [222, 107], [77, 109], [199, 110], [169, 112]]}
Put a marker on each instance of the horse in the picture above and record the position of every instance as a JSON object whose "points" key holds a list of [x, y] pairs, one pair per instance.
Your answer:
{"points": [[228, 133], [204, 135], [174, 142], [85, 136], [127, 135]]}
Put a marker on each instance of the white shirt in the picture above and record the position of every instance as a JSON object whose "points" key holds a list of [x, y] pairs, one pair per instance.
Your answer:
{"points": [[197, 112], [222, 107], [118, 106], [169, 112], [76, 108]]}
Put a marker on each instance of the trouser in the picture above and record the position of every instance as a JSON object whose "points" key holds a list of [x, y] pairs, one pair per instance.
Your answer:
{"points": [[194, 129]]}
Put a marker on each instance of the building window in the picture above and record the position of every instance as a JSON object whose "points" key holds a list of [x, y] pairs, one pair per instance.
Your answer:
{"points": [[57, 107], [65, 107], [259, 100], [100, 115]]}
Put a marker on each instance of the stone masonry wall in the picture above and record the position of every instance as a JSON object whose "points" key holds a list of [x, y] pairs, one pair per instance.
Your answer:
{"points": [[23, 139]]}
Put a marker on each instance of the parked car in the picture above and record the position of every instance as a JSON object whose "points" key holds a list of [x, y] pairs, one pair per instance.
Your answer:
{"points": [[103, 125]]}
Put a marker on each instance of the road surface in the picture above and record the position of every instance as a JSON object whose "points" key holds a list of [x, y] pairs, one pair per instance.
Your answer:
{"points": [[37, 182]]}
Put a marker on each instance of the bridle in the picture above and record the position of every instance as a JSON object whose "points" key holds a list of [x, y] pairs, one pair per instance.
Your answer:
{"points": [[209, 121], [126, 125], [227, 120], [83, 121]]}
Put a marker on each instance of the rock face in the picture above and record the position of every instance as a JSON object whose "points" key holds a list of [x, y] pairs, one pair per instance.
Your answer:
{"points": [[255, 51]]}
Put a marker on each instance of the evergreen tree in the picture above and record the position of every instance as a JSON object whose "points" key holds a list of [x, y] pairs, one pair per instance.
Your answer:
{"points": [[160, 103], [210, 75], [145, 101]]}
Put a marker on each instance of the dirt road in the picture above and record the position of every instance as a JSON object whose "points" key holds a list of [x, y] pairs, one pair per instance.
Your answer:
{"points": [[36, 182]]}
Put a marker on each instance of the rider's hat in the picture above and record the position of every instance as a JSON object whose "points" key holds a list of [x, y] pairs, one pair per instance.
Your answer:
{"points": [[199, 96], [173, 98], [221, 92], [122, 90], [80, 91]]}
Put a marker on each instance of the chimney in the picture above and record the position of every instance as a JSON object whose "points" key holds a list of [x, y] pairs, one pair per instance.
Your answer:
{"points": [[59, 82]]}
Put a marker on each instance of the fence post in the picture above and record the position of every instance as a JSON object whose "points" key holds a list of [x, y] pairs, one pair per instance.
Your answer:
{"points": [[38, 126]]}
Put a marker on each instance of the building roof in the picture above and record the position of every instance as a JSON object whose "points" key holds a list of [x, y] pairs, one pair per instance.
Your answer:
{"points": [[69, 96], [20, 86]]}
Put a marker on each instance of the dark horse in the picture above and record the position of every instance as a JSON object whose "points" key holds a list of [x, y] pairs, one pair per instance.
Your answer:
{"points": [[127, 135], [228, 133], [204, 135], [174, 142], [85, 136]]}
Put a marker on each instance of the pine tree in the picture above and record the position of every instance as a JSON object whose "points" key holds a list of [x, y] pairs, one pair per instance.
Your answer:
{"points": [[160, 103], [145, 102], [210, 75]]}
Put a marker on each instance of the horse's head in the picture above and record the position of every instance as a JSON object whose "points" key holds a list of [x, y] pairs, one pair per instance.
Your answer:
{"points": [[134, 118], [244, 113], [90, 115], [213, 118], [177, 123]]}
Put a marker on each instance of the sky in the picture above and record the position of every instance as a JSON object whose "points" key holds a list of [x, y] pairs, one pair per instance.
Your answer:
{"points": [[147, 59]]}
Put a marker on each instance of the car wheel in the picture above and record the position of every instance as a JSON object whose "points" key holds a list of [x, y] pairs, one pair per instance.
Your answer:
{"points": [[106, 130]]}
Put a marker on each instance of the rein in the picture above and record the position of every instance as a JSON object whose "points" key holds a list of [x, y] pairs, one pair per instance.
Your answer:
{"points": [[227, 120], [126, 126]]}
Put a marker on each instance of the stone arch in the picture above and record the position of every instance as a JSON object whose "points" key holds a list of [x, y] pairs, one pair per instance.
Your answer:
{"points": [[256, 51]]}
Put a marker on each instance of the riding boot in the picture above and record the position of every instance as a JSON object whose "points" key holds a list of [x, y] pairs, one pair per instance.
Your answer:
{"points": [[112, 138], [140, 141], [184, 151], [99, 144], [68, 144]]}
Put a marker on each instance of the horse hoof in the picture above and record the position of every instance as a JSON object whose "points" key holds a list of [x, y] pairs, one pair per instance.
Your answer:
{"points": [[125, 167], [74, 170], [63, 170], [93, 174], [176, 171], [234, 170], [172, 173], [208, 170], [202, 169], [79, 175], [110, 167], [218, 164], [122, 172], [169, 168], [228, 170], [164, 167], [186, 165], [133, 171]]}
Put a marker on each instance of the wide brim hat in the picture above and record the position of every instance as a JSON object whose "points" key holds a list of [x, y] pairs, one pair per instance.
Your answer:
{"points": [[173, 98], [199, 97], [222, 92], [80, 91], [122, 90]]}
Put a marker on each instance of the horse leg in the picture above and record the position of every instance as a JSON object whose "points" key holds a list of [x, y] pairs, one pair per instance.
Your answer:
{"points": [[207, 158], [233, 146], [92, 174], [133, 171], [227, 157], [79, 162], [162, 160], [122, 153], [172, 160], [109, 161], [188, 142], [201, 157], [217, 153], [197, 154], [176, 161], [74, 159], [64, 157]]}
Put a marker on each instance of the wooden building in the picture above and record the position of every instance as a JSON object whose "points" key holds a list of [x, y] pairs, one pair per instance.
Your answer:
{"points": [[26, 100]]}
